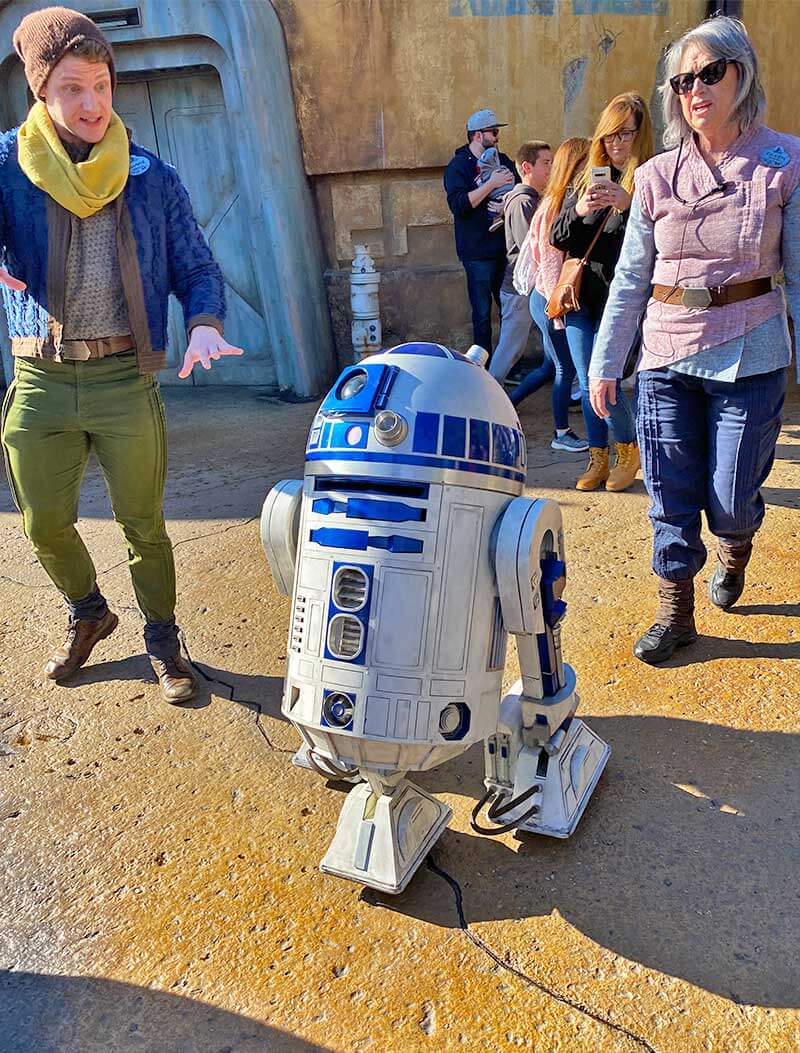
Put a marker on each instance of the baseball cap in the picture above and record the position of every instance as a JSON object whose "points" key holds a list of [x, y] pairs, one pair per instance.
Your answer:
{"points": [[484, 119]]}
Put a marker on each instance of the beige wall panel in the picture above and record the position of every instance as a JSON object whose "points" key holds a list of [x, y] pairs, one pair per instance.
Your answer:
{"points": [[386, 84], [774, 26]]}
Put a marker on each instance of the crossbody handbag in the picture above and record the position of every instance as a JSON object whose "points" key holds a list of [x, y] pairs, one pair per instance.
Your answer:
{"points": [[566, 295]]}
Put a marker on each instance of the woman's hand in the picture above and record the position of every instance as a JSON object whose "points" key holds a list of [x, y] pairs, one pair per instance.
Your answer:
{"points": [[606, 194], [602, 395], [205, 347]]}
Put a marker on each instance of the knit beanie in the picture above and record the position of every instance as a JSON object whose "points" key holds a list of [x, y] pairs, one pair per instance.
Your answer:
{"points": [[43, 38]]}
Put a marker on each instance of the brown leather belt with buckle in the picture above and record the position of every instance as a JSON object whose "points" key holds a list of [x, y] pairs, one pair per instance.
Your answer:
{"points": [[85, 350], [717, 296]]}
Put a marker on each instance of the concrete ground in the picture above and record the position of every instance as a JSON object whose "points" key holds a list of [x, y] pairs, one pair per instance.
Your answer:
{"points": [[159, 881]]}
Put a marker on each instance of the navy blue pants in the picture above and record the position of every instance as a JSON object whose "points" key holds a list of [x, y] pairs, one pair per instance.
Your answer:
{"points": [[484, 278], [706, 446]]}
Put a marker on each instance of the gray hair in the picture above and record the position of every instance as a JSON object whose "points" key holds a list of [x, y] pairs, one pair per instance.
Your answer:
{"points": [[723, 38]]}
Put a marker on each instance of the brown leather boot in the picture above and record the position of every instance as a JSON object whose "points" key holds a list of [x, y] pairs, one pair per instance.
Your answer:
{"points": [[727, 581], [82, 635], [674, 625], [175, 678], [596, 471], [625, 467]]}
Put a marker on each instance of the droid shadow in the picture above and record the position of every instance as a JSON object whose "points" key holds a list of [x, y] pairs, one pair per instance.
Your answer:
{"points": [[686, 860], [51, 1013]]}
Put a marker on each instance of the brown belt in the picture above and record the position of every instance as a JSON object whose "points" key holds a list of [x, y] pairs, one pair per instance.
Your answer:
{"points": [[84, 350], [717, 296]]}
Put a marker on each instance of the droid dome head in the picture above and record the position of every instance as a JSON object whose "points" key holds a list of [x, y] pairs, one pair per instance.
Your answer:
{"points": [[420, 411]]}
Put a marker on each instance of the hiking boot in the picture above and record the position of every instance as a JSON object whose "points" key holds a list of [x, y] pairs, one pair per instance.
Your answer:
{"points": [[175, 678], [82, 635], [625, 467], [596, 471], [674, 625], [727, 582], [570, 442], [661, 641], [725, 588]]}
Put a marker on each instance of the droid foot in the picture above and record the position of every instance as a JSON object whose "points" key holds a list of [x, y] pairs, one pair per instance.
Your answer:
{"points": [[552, 784], [381, 840]]}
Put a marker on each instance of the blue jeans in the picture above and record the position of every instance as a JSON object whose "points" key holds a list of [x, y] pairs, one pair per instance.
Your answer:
{"points": [[484, 278], [557, 365], [581, 331], [706, 446]]}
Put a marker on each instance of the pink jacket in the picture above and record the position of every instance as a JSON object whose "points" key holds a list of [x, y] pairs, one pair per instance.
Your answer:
{"points": [[548, 259], [728, 237]]}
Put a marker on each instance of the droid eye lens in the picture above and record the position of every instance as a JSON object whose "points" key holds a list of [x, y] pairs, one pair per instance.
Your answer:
{"points": [[353, 384], [390, 428]]}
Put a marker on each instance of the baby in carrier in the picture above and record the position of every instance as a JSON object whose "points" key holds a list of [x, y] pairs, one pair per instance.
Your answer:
{"points": [[488, 163]]}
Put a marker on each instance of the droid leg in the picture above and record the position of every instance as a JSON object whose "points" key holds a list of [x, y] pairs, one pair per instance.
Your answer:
{"points": [[542, 763], [384, 832]]}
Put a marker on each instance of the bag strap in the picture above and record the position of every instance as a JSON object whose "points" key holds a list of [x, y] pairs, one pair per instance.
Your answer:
{"points": [[588, 252]]}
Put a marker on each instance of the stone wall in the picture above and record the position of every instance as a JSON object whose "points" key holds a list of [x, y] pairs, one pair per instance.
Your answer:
{"points": [[382, 91]]}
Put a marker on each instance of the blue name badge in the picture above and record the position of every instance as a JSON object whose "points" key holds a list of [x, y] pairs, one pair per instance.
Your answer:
{"points": [[139, 164], [775, 157]]}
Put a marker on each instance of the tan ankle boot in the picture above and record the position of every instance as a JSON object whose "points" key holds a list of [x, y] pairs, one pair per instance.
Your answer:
{"points": [[627, 465], [596, 471]]}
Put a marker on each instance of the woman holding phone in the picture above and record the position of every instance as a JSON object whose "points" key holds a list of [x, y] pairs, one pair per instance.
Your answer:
{"points": [[623, 140]]}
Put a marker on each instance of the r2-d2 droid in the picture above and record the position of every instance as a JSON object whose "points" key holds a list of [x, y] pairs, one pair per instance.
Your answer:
{"points": [[410, 555]]}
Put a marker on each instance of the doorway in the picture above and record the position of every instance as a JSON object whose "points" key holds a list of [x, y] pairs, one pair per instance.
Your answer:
{"points": [[182, 118]]}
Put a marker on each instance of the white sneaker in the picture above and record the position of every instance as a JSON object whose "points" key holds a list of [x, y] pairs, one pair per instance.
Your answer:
{"points": [[570, 442]]}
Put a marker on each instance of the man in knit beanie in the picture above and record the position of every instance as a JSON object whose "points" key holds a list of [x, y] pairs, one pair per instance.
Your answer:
{"points": [[95, 234], [44, 37]]}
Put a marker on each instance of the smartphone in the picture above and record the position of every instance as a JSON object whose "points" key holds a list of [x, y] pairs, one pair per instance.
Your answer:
{"points": [[601, 172]]}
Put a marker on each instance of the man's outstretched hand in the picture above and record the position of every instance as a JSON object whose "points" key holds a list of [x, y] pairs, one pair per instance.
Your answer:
{"points": [[205, 346], [10, 281]]}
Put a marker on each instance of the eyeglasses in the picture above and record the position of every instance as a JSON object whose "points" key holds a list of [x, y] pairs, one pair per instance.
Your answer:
{"points": [[625, 136], [495, 131], [713, 73]]}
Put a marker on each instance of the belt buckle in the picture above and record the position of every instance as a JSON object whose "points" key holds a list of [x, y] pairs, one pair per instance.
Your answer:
{"points": [[78, 350], [695, 297]]}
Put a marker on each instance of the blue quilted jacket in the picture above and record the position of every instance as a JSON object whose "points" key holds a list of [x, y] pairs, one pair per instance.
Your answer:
{"points": [[171, 254]]}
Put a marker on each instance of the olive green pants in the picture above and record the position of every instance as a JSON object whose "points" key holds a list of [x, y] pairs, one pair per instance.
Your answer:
{"points": [[55, 413]]}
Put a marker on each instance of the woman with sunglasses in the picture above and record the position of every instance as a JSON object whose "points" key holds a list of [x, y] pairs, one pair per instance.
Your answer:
{"points": [[622, 141], [713, 222]]}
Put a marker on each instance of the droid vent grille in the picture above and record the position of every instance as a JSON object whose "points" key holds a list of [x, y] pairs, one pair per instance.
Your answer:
{"points": [[350, 589], [497, 640], [345, 637], [298, 623]]}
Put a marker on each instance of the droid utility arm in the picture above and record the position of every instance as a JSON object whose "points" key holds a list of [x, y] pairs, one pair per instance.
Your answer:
{"points": [[531, 573]]}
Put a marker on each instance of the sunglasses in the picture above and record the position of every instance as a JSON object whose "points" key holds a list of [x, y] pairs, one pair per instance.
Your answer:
{"points": [[494, 131], [713, 73], [625, 136]]}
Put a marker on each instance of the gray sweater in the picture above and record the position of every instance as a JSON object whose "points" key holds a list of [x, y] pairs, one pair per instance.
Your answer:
{"points": [[519, 206]]}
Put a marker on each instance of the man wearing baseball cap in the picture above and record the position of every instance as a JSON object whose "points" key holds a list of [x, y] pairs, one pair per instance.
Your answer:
{"points": [[481, 251], [95, 233]]}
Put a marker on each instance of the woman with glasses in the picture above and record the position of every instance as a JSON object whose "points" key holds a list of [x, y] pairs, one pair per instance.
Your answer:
{"points": [[622, 141], [713, 222]]}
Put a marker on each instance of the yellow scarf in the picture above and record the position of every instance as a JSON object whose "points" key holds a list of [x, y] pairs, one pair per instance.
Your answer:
{"points": [[82, 188]]}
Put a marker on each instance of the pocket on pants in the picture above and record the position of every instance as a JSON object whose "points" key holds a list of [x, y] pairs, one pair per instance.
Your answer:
{"points": [[7, 403]]}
